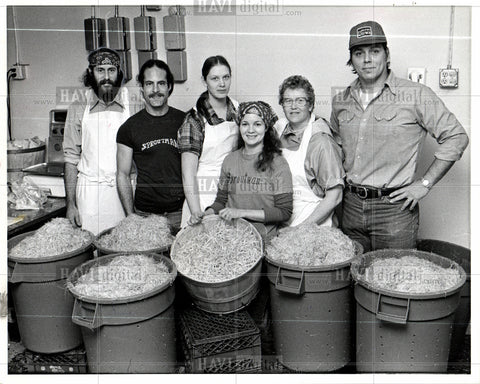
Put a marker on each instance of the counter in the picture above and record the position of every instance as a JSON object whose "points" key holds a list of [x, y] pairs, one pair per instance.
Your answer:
{"points": [[35, 218]]}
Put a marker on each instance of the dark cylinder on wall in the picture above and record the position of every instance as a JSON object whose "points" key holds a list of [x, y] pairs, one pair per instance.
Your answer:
{"points": [[119, 33], [95, 36], [145, 36]]}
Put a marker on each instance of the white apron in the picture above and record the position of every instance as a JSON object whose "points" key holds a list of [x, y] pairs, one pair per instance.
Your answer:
{"points": [[219, 141], [304, 200], [97, 198]]}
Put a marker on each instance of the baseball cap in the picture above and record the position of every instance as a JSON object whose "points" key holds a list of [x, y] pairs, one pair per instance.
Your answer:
{"points": [[368, 32]]}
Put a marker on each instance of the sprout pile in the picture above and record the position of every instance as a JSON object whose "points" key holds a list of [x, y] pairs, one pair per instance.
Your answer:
{"points": [[138, 233], [123, 276], [311, 246], [54, 238], [410, 274], [216, 251]]}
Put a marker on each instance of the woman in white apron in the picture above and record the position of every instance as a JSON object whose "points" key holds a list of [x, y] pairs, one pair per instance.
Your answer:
{"points": [[208, 134], [314, 158], [97, 199]]}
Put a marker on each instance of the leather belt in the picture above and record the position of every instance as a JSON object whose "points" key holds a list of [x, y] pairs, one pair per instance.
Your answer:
{"points": [[369, 192]]}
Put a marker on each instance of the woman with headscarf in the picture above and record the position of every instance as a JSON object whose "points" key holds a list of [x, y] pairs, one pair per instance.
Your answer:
{"points": [[207, 135], [255, 180]]}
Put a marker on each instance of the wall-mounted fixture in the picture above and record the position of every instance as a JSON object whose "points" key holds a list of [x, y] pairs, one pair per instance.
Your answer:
{"points": [[417, 75], [119, 40], [174, 34], [145, 37], [448, 77], [95, 36]]}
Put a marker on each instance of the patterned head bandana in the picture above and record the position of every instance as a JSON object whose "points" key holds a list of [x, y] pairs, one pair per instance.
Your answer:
{"points": [[260, 108], [104, 56]]}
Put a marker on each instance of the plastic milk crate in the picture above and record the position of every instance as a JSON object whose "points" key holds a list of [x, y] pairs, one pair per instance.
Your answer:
{"points": [[213, 343], [68, 362]]}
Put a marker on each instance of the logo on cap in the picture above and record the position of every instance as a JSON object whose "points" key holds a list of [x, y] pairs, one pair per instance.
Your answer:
{"points": [[364, 31]]}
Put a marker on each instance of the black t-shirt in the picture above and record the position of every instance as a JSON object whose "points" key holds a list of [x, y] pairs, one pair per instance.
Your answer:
{"points": [[155, 153]]}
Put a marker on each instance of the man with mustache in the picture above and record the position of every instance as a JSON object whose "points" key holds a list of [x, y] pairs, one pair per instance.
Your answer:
{"points": [[381, 121], [89, 144], [149, 139]]}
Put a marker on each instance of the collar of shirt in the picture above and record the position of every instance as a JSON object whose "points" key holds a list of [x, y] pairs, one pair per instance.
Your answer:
{"points": [[213, 118], [390, 82], [95, 101], [292, 138]]}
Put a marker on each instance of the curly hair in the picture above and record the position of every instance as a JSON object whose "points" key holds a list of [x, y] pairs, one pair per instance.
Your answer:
{"points": [[294, 82], [88, 79]]}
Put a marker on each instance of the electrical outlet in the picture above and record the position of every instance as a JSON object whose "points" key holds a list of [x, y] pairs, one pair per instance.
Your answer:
{"points": [[417, 75], [20, 71], [448, 78]]}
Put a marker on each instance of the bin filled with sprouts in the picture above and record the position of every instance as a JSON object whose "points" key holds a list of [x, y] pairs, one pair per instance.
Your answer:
{"points": [[312, 246], [136, 233], [219, 263], [408, 272], [406, 301], [121, 277], [126, 299], [38, 265], [311, 296], [54, 239]]}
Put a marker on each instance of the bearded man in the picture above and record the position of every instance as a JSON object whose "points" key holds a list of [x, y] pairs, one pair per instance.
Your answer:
{"points": [[90, 144]]}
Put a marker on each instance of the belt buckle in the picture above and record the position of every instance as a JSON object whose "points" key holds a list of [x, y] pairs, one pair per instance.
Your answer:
{"points": [[364, 191]]}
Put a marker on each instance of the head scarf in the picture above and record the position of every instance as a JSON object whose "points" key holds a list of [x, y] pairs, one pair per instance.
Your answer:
{"points": [[104, 56], [260, 108]]}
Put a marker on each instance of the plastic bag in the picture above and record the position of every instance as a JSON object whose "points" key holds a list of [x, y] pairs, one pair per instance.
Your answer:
{"points": [[26, 195], [15, 144]]}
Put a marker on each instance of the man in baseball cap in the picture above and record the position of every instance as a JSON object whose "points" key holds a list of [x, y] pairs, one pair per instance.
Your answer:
{"points": [[90, 144], [380, 121]]}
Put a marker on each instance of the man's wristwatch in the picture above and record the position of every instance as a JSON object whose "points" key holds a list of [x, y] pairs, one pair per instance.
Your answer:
{"points": [[427, 184]]}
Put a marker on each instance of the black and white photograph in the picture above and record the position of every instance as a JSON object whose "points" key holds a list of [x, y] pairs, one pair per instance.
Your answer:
{"points": [[239, 191]]}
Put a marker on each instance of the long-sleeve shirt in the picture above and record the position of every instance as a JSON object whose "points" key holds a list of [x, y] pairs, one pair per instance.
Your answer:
{"points": [[242, 186], [382, 143], [72, 138]]}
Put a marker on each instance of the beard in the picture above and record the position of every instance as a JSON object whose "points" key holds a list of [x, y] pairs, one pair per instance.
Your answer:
{"points": [[107, 93]]}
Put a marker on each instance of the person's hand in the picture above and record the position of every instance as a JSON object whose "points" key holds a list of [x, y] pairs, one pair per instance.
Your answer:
{"points": [[209, 212], [73, 215], [412, 194], [230, 213], [195, 218]]}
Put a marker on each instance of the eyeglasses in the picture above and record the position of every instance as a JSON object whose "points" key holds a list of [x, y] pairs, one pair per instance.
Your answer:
{"points": [[299, 102]]}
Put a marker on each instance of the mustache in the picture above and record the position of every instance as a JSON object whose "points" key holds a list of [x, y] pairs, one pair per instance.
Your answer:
{"points": [[153, 94], [106, 81]]}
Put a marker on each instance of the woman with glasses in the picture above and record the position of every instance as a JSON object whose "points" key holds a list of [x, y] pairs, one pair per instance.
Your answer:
{"points": [[314, 158]]}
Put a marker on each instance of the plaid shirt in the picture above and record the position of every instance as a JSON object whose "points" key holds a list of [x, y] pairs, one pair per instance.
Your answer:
{"points": [[192, 131]]}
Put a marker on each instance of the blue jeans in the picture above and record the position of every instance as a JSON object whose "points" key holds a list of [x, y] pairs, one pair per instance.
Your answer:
{"points": [[378, 223]]}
